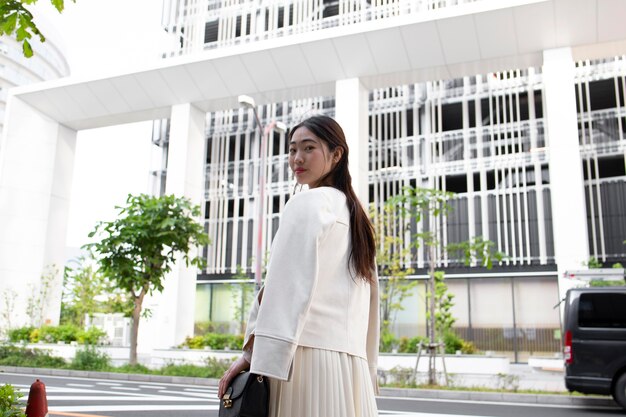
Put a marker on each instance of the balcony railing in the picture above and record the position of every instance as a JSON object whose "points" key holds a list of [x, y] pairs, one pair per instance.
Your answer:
{"points": [[311, 16]]}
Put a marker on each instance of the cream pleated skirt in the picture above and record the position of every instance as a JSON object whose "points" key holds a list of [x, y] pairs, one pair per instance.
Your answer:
{"points": [[324, 383]]}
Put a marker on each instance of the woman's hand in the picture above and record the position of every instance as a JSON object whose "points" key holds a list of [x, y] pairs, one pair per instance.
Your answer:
{"points": [[235, 369]]}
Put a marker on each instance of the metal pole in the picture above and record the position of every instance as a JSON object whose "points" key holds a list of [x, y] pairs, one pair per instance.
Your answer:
{"points": [[259, 246]]}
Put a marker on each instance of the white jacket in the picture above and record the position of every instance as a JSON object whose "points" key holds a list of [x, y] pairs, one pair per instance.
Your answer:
{"points": [[310, 297]]}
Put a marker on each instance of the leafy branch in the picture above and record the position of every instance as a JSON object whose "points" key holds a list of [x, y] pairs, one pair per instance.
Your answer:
{"points": [[16, 19]]}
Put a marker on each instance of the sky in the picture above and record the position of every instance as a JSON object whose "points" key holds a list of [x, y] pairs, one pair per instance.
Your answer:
{"points": [[105, 36]]}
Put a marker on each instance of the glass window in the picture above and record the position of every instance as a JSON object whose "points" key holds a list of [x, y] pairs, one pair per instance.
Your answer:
{"points": [[602, 310]]}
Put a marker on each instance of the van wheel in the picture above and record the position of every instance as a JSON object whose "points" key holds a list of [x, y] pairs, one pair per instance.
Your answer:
{"points": [[619, 392]]}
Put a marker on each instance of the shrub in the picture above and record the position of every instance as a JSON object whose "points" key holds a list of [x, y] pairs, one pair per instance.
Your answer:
{"points": [[33, 337], [91, 336], [452, 342], [409, 345], [401, 377], [90, 358], [196, 342], [387, 342], [215, 341], [20, 334], [53, 334], [468, 347], [10, 402], [216, 367], [184, 370], [35, 358], [132, 369]]}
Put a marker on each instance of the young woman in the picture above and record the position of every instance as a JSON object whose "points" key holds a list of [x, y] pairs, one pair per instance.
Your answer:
{"points": [[313, 329]]}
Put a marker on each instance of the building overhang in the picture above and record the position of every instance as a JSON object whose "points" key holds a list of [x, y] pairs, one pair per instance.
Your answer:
{"points": [[479, 37]]}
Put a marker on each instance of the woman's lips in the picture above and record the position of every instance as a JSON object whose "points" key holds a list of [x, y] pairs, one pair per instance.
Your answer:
{"points": [[299, 171]]}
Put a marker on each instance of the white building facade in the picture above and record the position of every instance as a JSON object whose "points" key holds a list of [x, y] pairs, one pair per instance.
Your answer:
{"points": [[516, 106], [47, 63], [482, 136]]}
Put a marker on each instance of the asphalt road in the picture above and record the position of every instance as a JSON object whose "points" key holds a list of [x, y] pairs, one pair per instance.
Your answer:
{"points": [[83, 397]]}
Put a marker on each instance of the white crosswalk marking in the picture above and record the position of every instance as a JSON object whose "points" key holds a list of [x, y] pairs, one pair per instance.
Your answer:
{"points": [[81, 385], [415, 414], [143, 407]]}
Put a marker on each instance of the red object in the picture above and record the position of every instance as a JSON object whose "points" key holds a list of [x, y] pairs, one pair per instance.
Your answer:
{"points": [[37, 405], [568, 354]]}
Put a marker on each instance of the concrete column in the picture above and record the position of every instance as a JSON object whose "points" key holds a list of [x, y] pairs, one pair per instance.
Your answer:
{"points": [[173, 310], [36, 166], [351, 112], [569, 217]]}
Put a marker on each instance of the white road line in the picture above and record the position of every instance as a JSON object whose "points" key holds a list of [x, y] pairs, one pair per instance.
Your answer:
{"points": [[127, 388], [412, 414], [124, 398], [152, 387], [108, 383], [200, 389], [81, 385], [193, 394], [100, 408]]}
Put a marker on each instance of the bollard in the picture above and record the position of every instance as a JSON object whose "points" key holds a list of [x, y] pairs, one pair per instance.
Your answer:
{"points": [[37, 405]]}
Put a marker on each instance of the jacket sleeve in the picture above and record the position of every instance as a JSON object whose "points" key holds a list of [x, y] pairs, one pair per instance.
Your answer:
{"points": [[373, 333], [290, 283]]}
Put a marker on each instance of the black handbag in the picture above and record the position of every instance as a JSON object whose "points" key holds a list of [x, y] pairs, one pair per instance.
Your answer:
{"points": [[247, 396]]}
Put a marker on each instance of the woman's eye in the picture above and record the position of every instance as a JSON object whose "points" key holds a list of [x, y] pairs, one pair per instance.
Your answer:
{"points": [[308, 148], [292, 151]]}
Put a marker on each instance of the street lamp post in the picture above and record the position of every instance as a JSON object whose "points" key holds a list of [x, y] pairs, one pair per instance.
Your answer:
{"points": [[248, 102]]}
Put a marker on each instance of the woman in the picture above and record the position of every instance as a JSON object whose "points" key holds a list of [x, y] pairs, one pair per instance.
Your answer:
{"points": [[313, 329]]}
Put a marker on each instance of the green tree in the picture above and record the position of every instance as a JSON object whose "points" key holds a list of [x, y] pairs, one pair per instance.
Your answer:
{"points": [[83, 292], [139, 248], [390, 257], [427, 209], [16, 18], [38, 298], [242, 294], [8, 299]]}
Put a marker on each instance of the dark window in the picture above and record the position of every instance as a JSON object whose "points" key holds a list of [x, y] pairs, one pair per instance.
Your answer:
{"points": [[276, 204], [452, 118], [602, 310], [409, 122], [210, 31], [281, 17], [456, 183], [601, 95], [471, 109]]}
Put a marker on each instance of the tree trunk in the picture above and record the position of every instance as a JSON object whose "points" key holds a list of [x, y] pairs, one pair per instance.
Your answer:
{"points": [[134, 332], [432, 349], [138, 301]]}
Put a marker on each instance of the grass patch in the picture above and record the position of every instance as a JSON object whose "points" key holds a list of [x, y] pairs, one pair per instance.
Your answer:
{"points": [[91, 358]]}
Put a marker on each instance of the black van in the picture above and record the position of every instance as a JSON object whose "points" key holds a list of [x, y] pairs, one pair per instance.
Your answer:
{"points": [[594, 327]]}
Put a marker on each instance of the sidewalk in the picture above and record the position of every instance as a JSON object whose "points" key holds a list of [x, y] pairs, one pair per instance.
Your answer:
{"points": [[529, 379]]}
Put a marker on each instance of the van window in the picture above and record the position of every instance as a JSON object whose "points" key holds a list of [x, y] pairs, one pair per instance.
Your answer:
{"points": [[602, 310]]}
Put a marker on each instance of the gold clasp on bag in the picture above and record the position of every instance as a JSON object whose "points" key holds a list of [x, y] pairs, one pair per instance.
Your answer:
{"points": [[228, 403]]}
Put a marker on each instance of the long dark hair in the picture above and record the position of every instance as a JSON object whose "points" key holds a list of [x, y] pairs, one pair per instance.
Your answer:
{"points": [[363, 251]]}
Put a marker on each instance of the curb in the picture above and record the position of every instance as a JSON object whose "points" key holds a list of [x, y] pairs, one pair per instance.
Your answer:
{"points": [[501, 397], [112, 375], [596, 401]]}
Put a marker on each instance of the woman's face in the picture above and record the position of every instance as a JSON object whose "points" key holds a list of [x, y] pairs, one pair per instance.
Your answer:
{"points": [[309, 157]]}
